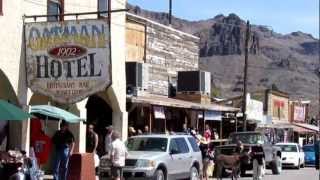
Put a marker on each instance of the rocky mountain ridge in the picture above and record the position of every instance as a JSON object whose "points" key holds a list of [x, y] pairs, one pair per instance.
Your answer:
{"points": [[288, 61]]}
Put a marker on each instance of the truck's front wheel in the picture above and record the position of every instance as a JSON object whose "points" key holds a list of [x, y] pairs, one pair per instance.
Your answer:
{"points": [[276, 166]]}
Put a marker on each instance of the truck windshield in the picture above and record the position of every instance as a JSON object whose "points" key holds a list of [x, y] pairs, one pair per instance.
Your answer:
{"points": [[252, 138], [147, 144], [288, 148]]}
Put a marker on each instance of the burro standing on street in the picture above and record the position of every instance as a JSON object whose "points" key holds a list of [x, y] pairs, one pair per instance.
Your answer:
{"points": [[118, 156]]}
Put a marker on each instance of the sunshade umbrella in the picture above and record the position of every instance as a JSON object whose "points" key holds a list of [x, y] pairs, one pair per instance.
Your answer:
{"points": [[9, 111], [54, 112]]}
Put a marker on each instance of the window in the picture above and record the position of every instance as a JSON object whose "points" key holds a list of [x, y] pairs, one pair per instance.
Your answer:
{"points": [[55, 7], [174, 147], [182, 145], [288, 148], [194, 144], [1, 12], [103, 6], [147, 144]]}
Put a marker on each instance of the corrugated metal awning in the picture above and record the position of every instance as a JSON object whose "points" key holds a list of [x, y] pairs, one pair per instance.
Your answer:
{"points": [[309, 127], [301, 130], [170, 102]]}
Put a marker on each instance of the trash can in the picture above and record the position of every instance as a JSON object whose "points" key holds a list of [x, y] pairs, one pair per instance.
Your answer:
{"points": [[81, 167]]}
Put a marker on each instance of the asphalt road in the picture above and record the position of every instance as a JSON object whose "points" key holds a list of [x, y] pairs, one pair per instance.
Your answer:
{"points": [[308, 173]]}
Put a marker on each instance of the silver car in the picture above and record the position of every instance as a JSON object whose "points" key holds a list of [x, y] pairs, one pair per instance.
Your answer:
{"points": [[160, 157]]}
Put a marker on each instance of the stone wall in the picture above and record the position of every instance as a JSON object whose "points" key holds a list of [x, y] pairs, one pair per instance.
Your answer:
{"points": [[167, 51]]}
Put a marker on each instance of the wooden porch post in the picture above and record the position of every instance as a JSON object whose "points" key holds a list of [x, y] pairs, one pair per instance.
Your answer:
{"points": [[221, 131], [204, 121], [197, 123], [236, 119], [150, 118]]}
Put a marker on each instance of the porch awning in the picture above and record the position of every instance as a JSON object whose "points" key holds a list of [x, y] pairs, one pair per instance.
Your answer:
{"points": [[301, 130], [170, 102], [307, 127]]}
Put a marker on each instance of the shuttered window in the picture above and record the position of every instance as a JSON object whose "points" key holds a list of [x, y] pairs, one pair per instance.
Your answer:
{"points": [[103, 6], [55, 7]]}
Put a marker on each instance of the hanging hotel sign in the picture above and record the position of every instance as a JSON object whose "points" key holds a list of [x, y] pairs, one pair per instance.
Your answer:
{"points": [[69, 60]]}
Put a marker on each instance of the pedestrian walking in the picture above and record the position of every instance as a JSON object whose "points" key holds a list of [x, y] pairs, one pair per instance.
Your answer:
{"points": [[139, 132], [63, 140], [258, 162], [131, 131], [91, 139], [205, 159], [108, 139], [118, 155], [146, 130], [185, 129], [207, 133]]}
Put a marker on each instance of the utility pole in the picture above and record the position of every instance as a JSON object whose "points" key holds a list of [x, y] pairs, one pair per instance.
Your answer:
{"points": [[170, 12], [245, 77]]}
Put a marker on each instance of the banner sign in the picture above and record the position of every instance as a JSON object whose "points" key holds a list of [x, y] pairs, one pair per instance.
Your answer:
{"points": [[159, 112], [255, 110], [299, 114], [68, 61], [212, 116]]}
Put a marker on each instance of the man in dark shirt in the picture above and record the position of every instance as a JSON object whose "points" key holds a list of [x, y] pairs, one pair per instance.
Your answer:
{"points": [[63, 140]]}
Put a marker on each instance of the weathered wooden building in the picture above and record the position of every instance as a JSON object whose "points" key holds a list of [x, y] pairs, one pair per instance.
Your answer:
{"points": [[165, 51], [155, 54]]}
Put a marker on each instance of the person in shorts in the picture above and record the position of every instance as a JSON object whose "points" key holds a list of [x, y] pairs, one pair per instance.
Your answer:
{"points": [[118, 156]]}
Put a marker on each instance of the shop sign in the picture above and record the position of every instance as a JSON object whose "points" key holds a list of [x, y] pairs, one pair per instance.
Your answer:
{"points": [[254, 110], [68, 61], [159, 112], [279, 109], [212, 116], [299, 114]]}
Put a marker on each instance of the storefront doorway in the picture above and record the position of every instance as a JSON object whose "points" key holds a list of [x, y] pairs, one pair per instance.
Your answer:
{"points": [[99, 113]]}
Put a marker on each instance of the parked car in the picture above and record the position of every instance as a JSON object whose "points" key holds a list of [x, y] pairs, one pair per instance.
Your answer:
{"points": [[159, 157], [309, 155], [292, 155], [254, 142]]}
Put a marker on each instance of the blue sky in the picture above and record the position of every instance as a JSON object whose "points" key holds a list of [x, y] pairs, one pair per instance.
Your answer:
{"points": [[284, 16]]}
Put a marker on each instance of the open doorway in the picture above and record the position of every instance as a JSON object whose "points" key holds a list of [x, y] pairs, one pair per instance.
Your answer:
{"points": [[99, 113]]}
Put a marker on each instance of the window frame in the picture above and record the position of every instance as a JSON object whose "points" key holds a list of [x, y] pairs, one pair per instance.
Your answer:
{"points": [[98, 8], [61, 3], [193, 144], [173, 140], [184, 147]]}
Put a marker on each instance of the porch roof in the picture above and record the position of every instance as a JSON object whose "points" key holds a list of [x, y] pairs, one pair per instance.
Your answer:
{"points": [[171, 102], [307, 127]]}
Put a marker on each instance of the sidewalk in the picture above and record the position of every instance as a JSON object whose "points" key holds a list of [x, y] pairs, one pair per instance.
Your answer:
{"points": [[50, 177]]}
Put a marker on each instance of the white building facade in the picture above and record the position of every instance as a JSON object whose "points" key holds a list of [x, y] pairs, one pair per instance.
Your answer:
{"points": [[13, 82]]}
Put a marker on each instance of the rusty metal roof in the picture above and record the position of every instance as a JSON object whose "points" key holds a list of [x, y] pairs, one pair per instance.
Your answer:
{"points": [[171, 102]]}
